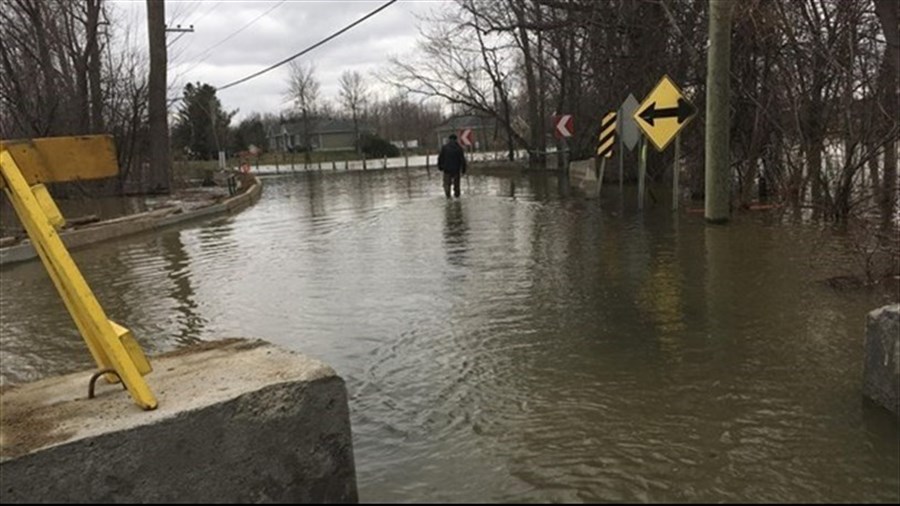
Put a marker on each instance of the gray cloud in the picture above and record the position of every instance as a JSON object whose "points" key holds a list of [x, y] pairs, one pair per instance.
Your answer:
{"points": [[287, 29]]}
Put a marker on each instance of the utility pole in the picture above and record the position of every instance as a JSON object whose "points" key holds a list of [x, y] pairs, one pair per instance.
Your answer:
{"points": [[160, 176], [718, 163]]}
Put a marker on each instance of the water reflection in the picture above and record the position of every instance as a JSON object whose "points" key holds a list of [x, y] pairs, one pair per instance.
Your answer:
{"points": [[177, 266], [514, 345], [455, 233]]}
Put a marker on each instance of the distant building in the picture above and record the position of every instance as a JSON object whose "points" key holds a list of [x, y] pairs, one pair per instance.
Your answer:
{"points": [[325, 135], [406, 144]]}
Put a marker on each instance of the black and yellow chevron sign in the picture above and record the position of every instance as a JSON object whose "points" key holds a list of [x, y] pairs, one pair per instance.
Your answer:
{"points": [[607, 135]]}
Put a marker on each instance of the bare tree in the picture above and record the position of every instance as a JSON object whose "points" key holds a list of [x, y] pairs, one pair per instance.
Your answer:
{"points": [[303, 89], [66, 68], [465, 64], [354, 97]]}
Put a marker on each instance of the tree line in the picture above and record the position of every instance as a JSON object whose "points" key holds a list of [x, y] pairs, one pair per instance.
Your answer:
{"points": [[203, 126]]}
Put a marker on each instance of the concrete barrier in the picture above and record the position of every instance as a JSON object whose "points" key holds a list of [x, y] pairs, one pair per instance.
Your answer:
{"points": [[238, 421], [136, 223], [881, 376], [583, 177]]}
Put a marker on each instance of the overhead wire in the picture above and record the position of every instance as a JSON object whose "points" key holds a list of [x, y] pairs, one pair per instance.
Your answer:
{"points": [[308, 49], [174, 58], [203, 55], [334, 35]]}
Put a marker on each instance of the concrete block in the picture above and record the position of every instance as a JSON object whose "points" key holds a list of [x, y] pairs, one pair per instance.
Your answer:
{"points": [[238, 421], [881, 377], [583, 177]]}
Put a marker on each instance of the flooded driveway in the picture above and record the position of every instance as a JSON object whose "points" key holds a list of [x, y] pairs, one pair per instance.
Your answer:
{"points": [[516, 345]]}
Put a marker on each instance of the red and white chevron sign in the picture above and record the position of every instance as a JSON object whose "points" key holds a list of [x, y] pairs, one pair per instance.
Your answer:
{"points": [[564, 125], [465, 137]]}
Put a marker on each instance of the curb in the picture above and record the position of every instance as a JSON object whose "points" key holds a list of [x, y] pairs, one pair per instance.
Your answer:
{"points": [[134, 224]]}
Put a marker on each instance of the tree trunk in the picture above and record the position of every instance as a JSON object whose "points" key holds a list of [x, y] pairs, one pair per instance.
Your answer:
{"points": [[307, 156], [888, 12]]}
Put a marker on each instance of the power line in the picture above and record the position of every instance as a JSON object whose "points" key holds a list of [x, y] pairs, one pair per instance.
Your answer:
{"points": [[207, 13], [173, 59], [310, 48], [226, 39]]}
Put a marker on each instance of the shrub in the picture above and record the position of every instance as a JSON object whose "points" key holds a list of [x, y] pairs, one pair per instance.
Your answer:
{"points": [[376, 147]]}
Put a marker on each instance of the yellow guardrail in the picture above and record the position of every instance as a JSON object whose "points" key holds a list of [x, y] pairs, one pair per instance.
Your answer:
{"points": [[24, 166]]}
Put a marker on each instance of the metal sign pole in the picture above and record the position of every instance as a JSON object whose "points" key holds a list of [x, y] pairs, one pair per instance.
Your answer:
{"points": [[621, 165], [676, 166], [642, 169]]}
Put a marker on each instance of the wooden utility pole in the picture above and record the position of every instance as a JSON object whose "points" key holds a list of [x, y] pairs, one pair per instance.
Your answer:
{"points": [[159, 179], [718, 163]]}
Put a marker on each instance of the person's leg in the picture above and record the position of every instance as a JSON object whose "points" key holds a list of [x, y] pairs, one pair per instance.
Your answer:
{"points": [[456, 178], [447, 184]]}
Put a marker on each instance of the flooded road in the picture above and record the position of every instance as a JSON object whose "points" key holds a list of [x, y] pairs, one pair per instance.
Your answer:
{"points": [[515, 345]]}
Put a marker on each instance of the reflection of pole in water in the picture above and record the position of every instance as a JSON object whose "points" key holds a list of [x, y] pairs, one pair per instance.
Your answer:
{"points": [[621, 164], [562, 181], [642, 170], [191, 323], [716, 245], [600, 175]]}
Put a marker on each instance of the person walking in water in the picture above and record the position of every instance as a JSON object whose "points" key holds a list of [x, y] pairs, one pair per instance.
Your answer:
{"points": [[452, 162]]}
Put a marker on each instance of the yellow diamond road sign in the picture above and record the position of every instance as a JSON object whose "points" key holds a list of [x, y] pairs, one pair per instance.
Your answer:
{"points": [[663, 113]]}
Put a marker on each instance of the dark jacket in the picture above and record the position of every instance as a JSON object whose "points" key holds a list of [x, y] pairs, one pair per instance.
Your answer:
{"points": [[452, 158]]}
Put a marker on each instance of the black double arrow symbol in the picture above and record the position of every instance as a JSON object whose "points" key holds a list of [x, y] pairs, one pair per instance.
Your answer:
{"points": [[683, 111]]}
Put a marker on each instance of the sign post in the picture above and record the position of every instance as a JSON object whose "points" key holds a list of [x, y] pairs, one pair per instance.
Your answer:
{"points": [[24, 166], [564, 128]]}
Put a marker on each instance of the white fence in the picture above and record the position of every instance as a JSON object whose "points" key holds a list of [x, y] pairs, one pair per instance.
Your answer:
{"points": [[412, 162]]}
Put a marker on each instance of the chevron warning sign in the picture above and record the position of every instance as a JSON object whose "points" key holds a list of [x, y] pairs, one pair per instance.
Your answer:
{"points": [[607, 135]]}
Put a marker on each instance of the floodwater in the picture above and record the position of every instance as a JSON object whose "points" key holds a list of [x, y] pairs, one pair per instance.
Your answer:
{"points": [[517, 345]]}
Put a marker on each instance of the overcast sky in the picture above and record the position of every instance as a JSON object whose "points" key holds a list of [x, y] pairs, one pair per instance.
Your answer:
{"points": [[277, 29]]}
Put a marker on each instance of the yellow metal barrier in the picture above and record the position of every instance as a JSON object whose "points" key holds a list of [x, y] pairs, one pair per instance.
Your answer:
{"points": [[24, 165]]}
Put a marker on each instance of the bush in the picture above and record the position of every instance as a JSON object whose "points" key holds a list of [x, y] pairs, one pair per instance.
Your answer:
{"points": [[376, 147], [298, 149]]}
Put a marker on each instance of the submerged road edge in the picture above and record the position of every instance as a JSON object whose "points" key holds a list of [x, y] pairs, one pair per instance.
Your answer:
{"points": [[249, 193]]}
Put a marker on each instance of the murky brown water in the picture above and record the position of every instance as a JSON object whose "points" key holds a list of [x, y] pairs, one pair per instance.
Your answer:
{"points": [[515, 346]]}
